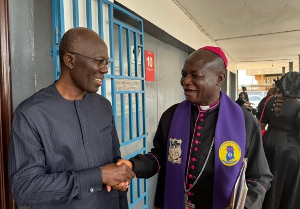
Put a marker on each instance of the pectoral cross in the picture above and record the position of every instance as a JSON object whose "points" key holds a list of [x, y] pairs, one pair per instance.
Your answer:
{"points": [[187, 205]]}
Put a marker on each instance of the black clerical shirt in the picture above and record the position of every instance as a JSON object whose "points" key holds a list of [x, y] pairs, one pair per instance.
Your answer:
{"points": [[258, 174]]}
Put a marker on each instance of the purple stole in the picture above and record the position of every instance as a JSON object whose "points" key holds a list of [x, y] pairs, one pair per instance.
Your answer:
{"points": [[230, 127]]}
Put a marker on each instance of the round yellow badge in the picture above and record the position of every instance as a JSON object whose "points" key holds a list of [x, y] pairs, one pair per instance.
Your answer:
{"points": [[230, 153]]}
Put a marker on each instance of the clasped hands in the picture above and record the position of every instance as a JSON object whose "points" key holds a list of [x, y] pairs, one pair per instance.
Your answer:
{"points": [[117, 175]]}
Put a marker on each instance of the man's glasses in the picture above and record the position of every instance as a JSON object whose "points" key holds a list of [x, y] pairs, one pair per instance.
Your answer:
{"points": [[101, 62]]}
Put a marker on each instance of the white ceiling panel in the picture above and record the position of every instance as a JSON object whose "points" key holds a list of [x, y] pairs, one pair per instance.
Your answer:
{"points": [[255, 33]]}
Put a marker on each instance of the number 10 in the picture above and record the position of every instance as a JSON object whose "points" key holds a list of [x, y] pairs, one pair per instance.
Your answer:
{"points": [[149, 61]]}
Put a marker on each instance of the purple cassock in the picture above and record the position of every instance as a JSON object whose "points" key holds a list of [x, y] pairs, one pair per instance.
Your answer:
{"points": [[229, 136]]}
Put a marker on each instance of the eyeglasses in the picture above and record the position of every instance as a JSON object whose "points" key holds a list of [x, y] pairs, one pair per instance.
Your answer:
{"points": [[101, 62]]}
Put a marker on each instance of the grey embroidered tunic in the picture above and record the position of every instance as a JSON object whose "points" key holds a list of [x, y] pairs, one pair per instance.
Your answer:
{"points": [[56, 149]]}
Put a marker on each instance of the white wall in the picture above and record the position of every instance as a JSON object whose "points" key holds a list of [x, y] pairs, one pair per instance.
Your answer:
{"points": [[169, 17]]}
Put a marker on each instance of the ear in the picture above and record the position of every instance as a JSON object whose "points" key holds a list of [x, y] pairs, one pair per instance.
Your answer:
{"points": [[68, 60], [221, 78]]}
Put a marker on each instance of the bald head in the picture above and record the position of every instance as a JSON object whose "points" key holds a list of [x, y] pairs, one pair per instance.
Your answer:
{"points": [[204, 57], [74, 38]]}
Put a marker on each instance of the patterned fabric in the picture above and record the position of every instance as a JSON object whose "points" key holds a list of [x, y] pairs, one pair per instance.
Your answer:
{"points": [[290, 85]]}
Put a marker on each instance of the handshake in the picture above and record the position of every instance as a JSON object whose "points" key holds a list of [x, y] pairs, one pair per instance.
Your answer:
{"points": [[117, 175]]}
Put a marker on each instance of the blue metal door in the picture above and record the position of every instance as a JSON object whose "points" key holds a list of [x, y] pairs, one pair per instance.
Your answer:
{"points": [[124, 85]]}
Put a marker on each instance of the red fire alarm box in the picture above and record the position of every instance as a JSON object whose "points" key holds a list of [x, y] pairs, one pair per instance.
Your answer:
{"points": [[149, 66]]}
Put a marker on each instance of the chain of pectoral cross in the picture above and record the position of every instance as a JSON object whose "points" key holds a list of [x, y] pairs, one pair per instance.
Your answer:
{"points": [[186, 203]]}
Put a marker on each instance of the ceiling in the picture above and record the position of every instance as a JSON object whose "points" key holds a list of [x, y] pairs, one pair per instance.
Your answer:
{"points": [[256, 34]]}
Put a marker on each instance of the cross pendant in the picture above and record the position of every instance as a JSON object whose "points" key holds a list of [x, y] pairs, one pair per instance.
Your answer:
{"points": [[187, 205]]}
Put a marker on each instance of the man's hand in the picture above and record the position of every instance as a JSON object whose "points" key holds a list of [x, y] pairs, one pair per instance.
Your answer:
{"points": [[113, 175], [126, 162], [123, 185]]}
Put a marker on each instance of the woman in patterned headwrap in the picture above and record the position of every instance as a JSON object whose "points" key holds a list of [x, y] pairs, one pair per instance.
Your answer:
{"points": [[281, 143]]}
